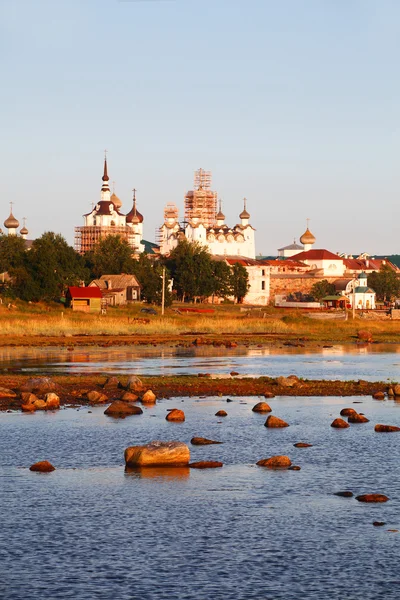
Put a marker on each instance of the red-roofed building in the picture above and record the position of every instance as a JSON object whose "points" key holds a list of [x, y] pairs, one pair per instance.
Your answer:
{"points": [[84, 299], [324, 261]]}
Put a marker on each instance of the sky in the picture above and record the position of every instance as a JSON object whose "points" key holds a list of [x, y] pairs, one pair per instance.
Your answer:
{"points": [[291, 104]]}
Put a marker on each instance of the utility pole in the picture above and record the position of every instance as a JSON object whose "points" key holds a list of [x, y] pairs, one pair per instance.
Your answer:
{"points": [[163, 291], [354, 297]]}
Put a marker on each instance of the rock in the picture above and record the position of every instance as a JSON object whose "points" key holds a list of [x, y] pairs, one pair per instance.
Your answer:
{"points": [[364, 335], [396, 389], [52, 401], [149, 398], [200, 441], [378, 523], [28, 398], [28, 407], [390, 392], [261, 407], [378, 395], [121, 409], [221, 413], [230, 344], [275, 422], [234, 373], [372, 498], [206, 464], [339, 424], [294, 468], [358, 418], [6, 393], [275, 462], [269, 395], [348, 412], [39, 385], [129, 397], [135, 385], [112, 382], [302, 445], [158, 454], [345, 494], [175, 415], [289, 382], [199, 342], [43, 466], [386, 428], [40, 405], [96, 397]]}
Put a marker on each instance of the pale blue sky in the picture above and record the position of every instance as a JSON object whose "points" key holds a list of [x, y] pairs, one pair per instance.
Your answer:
{"points": [[291, 103]]}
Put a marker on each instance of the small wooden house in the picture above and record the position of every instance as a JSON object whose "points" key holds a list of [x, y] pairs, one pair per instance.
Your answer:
{"points": [[84, 299], [118, 289]]}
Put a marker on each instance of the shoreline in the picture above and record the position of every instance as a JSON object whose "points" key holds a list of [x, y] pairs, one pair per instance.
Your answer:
{"points": [[73, 388]]}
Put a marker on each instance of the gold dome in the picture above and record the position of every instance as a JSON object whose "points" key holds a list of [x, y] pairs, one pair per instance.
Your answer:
{"points": [[11, 222], [307, 237]]}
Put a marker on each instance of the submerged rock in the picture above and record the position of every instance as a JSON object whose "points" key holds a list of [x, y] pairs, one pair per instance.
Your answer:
{"points": [[275, 422], [262, 407], [43, 466], [372, 498], [386, 428], [345, 494], [340, 424], [175, 415], [302, 445], [200, 441], [158, 454], [221, 413], [358, 418], [121, 409], [275, 462], [206, 464], [348, 412]]}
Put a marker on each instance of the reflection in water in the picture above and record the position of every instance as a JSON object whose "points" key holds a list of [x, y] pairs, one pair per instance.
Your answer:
{"points": [[371, 362], [158, 472]]}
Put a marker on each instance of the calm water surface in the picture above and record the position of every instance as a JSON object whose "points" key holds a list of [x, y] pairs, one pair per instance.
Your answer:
{"points": [[91, 531], [376, 362]]}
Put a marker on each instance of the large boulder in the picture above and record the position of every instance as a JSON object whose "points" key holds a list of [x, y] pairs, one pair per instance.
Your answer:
{"points": [[347, 412], [6, 393], [158, 454], [112, 382], [396, 389], [52, 401], [130, 397], [372, 498], [275, 422], [261, 407], [358, 418], [175, 415], [135, 385], [275, 462], [120, 409], [39, 385], [43, 466], [288, 382], [364, 335], [96, 397], [40, 404], [149, 397], [378, 395], [200, 441], [340, 424], [386, 428], [221, 413]]}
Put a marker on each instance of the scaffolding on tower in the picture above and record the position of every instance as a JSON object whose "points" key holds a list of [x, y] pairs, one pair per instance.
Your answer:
{"points": [[201, 203]]}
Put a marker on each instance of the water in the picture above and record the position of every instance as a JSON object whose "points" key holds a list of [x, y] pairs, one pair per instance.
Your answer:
{"points": [[91, 531], [376, 362]]}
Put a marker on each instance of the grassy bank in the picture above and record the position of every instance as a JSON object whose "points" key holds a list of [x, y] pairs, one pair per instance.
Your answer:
{"points": [[40, 320]]}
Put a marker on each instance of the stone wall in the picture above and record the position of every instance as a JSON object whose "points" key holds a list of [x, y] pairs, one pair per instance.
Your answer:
{"points": [[285, 284]]}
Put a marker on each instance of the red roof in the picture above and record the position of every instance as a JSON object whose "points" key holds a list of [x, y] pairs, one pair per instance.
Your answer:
{"points": [[84, 292], [317, 255]]}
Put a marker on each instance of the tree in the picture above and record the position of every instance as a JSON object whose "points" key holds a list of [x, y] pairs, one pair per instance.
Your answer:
{"points": [[149, 275], [111, 256], [221, 279], [49, 267], [190, 266], [12, 252], [323, 288], [240, 282], [385, 282]]}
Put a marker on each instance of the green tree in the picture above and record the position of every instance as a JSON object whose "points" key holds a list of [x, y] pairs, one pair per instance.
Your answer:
{"points": [[50, 266], [111, 256], [190, 266], [240, 282], [12, 252], [323, 288], [149, 275], [385, 282], [221, 279]]}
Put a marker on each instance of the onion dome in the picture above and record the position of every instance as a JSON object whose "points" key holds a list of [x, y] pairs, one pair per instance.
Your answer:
{"points": [[307, 237], [220, 215], [115, 200], [24, 231], [11, 222], [244, 214], [133, 213]]}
